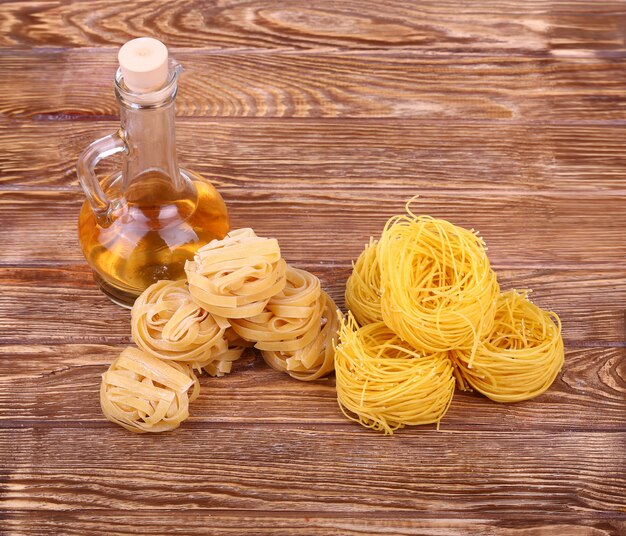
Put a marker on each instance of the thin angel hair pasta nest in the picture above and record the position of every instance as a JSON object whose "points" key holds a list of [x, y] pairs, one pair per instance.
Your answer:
{"points": [[520, 358], [438, 291], [363, 288], [384, 384]]}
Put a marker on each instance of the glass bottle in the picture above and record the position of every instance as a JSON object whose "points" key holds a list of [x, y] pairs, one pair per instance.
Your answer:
{"points": [[142, 223]]}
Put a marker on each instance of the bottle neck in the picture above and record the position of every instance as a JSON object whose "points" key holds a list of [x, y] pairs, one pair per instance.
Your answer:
{"points": [[149, 131], [150, 134]]}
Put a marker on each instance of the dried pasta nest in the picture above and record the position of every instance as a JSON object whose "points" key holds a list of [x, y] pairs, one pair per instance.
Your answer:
{"points": [[239, 293], [520, 358], [166, 323], [425, 293], [363, 287], [384, 383], [145, 394], [316, 359], [438, 290], [291, 318], [235, 277]]}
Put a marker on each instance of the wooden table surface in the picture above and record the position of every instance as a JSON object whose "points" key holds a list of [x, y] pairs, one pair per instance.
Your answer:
{"points": [[316, 121]]}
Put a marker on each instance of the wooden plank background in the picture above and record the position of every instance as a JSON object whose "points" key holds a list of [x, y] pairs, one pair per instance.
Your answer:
{"points": [[317, 121]]}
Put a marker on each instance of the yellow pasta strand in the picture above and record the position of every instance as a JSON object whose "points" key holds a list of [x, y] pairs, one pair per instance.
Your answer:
{"points": [[384, 384], [144, 394], [522, 355], [363, 287], [167, 324], [438, 291], [235, 277]]}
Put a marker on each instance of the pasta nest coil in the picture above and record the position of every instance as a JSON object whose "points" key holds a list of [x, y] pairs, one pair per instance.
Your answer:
{"points": [[384, 384], [291, 318], [316, 359], [520, 358], [167, 324], [235, 277], [438, 291], [363, 288], [145, 394]]}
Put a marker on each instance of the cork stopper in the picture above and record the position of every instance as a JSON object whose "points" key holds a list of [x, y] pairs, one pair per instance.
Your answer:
{"points": [[144, 64]]}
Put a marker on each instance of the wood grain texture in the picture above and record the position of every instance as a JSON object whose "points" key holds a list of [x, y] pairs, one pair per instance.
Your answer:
{"points": [[194, 522], [372, 154], [64, 393], [57, 303], [291, 84], [503, 26], [579, 473], [522, 230], [317, 121]]}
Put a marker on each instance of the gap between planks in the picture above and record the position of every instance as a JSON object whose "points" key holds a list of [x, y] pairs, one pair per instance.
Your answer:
{"points": [[575, 54], [339, 514], [225, 119], [569, 193], [287, 425]]}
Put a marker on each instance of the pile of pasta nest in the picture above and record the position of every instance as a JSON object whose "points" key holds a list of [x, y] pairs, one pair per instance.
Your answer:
{"points": [[239, 293], [426, 315]]}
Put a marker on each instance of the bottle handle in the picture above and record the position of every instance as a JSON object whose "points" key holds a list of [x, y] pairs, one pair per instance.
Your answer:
{"points": [[85, 169]]}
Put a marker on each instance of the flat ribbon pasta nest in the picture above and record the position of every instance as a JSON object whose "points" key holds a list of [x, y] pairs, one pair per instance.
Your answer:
{"points": [[235, 277], [167, 324], [145, 394], [239, 293], [316, 359], [290, 320]]}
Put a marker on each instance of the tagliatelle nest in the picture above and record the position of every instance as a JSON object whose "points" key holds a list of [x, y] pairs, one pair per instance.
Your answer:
{"points": [[291, 319], [145, 394], [239, 293], [316, 359], [235, 277], [167, 324]]}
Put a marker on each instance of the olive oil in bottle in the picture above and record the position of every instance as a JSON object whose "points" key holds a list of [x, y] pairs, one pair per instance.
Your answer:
{"points": [[141, 224]]}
